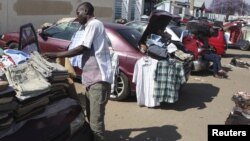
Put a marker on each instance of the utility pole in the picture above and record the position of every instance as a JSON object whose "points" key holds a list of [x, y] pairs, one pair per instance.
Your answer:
{"points": [[242, 7], [172, 7], [192, 7]]}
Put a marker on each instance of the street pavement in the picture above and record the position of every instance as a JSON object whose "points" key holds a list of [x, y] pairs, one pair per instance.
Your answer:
{"points": [[203, 101]]}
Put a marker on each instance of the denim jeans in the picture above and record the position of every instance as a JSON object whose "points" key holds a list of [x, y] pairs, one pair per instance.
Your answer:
{"points": [[97, 96], [215, 58]]}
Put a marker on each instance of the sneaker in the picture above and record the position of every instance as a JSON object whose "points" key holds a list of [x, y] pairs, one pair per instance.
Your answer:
{"points": [[222, 72], [221, 75]]}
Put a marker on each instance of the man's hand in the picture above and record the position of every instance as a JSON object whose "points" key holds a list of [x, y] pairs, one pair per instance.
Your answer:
{"points": [[50, 55]]}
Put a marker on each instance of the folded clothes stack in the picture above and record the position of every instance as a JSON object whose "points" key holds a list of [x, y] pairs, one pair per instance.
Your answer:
{"points": [[26, 81], [51, 71], [183, 56], [8, 104]]}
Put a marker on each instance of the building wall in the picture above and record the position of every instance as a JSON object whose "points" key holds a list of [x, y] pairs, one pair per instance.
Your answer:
{"points": [[126, 9], [14, 13], [129, 9], [118, 9], [164, 6], [139, 9]]}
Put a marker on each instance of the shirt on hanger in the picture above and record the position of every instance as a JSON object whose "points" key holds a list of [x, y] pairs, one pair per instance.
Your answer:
{"points": [[143, 77]]}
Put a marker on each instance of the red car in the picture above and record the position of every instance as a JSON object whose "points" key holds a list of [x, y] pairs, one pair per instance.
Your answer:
{"points": [[214, 29], [124, 41], [237, 34]]}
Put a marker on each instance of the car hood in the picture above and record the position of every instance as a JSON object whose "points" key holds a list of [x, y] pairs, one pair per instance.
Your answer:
{"points": [[156, 17]]}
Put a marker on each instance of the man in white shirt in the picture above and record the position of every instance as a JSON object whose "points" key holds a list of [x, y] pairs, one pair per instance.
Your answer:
{"points": [[96, 66]]}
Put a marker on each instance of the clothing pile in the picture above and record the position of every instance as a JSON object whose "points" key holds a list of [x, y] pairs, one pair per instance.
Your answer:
{"points": [[8, 105], [35, 92], [161, 48], [241, 111], [51, 71], [238, 62]]}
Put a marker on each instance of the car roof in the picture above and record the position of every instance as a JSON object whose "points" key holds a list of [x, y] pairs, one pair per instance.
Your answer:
{"points": [[67, 19], [137, 21], [108, 25], [116, 26]]}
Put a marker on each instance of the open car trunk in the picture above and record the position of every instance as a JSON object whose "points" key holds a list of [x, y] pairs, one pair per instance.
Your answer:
{"points": [[157, 18], [160, 18]]}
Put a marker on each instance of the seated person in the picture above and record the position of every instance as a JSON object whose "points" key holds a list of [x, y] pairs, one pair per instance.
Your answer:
{"points": [[210, 55]]}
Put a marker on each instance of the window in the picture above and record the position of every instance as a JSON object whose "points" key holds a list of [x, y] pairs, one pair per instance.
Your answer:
{"points": [[63, 30], [177, 30], [132, 36]]}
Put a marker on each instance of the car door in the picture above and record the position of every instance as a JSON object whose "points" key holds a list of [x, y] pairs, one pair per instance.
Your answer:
{"points": [[57, 38], [27, 39]]}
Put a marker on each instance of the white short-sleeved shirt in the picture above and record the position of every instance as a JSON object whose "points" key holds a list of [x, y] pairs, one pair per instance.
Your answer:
{"points": [[143, 77], [96, 62]]}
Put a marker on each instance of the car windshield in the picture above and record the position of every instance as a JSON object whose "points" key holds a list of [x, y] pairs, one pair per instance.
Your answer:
{"points": [[63, 30], [131, 35], [177, 30], [140, 26]]}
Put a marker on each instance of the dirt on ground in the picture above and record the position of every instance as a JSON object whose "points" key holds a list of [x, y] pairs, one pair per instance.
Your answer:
{"points": [[203, 101]]}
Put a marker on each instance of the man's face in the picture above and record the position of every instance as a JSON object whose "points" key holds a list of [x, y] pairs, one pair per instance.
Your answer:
{"points": [[81, 13]]}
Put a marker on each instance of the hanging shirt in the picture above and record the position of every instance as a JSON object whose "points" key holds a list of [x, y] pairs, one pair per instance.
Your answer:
{"points": [[143, 77], [168, 80], [115, 68]]}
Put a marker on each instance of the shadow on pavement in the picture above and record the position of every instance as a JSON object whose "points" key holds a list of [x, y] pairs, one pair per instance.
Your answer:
{"points": [[193, 95], [163, 133], [202, 73]]}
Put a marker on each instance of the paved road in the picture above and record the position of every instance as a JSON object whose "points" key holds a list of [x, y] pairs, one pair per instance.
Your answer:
{"points": [[204, 100]]}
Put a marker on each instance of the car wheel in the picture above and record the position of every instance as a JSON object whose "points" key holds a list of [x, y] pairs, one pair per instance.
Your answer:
{"points": [[121, 88], [13, 45], [244, 45]]}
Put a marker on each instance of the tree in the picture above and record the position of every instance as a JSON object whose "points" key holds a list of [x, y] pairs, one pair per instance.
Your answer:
{"points": [[230, 7]]}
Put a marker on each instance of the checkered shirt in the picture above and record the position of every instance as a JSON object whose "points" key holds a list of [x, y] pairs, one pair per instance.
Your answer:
{"points": [[168, 80]]}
